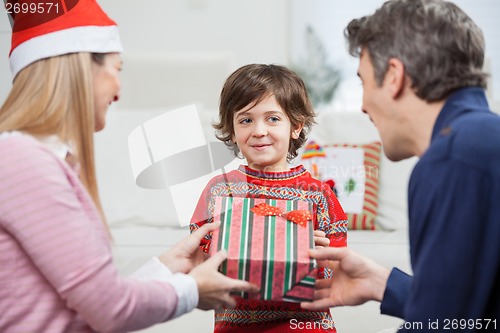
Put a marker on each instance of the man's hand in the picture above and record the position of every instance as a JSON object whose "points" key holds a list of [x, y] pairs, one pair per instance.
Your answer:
{"points": [[356, 279]]}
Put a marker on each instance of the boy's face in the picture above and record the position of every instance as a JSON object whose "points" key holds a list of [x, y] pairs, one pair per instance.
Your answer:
{"points": [[263, 133]]}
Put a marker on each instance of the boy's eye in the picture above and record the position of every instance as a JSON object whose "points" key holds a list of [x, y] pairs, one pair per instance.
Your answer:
{"points": [[245, 121]]}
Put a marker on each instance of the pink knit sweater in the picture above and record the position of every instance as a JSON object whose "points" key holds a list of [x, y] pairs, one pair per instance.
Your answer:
{"points": [[56, 270]]}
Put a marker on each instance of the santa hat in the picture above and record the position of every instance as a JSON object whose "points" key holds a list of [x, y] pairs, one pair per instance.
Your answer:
{"points": [[42, 29]]}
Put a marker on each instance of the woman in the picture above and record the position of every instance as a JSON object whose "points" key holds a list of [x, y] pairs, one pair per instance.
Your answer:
{"points": [[57, 271]]}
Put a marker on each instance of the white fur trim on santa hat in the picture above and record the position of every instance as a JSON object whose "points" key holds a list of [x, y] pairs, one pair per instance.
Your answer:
{"points": [[98, 39]]}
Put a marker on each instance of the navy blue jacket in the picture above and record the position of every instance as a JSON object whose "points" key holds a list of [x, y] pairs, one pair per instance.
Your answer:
{"points": [[454, 225]]}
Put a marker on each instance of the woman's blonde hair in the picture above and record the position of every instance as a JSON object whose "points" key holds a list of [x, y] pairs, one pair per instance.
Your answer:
{"points": [[55, 96]]}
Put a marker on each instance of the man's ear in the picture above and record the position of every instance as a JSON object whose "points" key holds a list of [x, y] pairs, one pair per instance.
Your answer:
{"points": [[296, 131], [395, 77]]}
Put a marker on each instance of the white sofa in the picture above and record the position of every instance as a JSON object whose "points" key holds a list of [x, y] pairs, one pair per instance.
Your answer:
{"points": [[144, 222]]}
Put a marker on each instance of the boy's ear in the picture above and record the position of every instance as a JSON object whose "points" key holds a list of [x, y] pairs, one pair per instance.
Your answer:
{"points": [[296, 131]]}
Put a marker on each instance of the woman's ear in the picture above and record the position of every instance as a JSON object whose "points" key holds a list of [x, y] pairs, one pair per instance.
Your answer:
{"points": [[296, 131]]}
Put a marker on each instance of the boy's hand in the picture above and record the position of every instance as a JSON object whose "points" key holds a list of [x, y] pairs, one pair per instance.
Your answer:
{"points": [[320, 239]]}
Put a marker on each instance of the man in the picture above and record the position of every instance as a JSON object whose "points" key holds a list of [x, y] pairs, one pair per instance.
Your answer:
{"points": [[423, 87]]}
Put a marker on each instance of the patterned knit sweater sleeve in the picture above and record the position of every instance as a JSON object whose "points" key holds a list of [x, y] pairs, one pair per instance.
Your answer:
{"points": [[335, 226], [202, 214]]}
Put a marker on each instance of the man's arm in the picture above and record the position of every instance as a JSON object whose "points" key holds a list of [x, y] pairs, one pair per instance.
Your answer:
{"points": [[396, 294]]}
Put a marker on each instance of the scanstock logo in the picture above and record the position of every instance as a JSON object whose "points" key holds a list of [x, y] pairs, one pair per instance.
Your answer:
{"points": [[170, 151]]}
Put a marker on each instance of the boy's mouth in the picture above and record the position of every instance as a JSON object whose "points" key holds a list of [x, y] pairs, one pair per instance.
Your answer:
{"points": [[260, 146]]}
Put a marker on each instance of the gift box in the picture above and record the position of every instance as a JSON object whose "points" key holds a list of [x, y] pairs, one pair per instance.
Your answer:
{"points": [[267, 248]]}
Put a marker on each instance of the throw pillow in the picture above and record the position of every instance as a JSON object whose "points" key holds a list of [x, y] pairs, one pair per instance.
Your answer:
{"points": [[352, 171]]}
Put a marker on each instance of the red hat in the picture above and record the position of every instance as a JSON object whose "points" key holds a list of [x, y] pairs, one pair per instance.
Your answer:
{"points": [[43, 29]]}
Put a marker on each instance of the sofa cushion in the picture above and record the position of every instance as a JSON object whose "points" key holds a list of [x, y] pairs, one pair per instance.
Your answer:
{"points": [[352, 170]]}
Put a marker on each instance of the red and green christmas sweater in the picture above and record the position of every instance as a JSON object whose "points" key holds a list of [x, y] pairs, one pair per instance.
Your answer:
{"points": [[294, 184]]}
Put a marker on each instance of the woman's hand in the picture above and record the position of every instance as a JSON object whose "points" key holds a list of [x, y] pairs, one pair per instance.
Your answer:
{"points": [[186, 254], [214, 288]]}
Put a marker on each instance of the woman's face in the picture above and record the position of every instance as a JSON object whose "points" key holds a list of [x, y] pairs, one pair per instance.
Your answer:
{"points": [[106, 86]]}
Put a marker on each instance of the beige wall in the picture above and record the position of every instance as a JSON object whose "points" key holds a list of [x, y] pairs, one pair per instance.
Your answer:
{"points": [[252, 31], [249, 31]]}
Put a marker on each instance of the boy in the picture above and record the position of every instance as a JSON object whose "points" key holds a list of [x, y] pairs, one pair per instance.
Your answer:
{"points": [[265, 114]]}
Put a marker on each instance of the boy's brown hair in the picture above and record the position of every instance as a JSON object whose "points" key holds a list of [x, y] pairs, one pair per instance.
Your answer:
{"points": [[250, 84]]}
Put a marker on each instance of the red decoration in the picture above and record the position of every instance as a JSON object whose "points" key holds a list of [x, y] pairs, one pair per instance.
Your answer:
{"points": [[299, 217]]}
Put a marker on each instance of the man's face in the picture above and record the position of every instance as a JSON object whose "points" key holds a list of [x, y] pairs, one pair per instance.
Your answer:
{"points": [[382, 108], [371, 91]]}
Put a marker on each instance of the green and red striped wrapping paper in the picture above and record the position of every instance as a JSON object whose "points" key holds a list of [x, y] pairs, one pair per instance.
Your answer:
{"points": [[268, 251]]}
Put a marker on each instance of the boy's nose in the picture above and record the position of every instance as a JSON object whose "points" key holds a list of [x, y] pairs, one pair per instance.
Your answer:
{"points": [[259, 130]]}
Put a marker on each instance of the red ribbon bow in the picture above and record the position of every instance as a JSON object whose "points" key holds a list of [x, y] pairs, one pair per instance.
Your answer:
{"points": [[299, 217]]}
